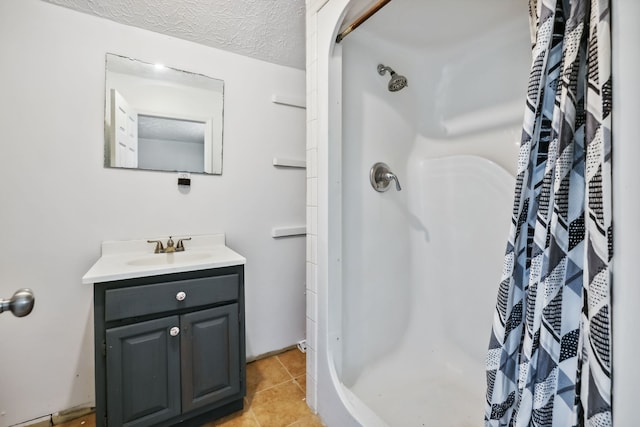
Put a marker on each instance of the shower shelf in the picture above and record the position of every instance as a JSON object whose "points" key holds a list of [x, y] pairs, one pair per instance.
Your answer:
{"points": [[289, 163], [291, 101], [278, 232]]}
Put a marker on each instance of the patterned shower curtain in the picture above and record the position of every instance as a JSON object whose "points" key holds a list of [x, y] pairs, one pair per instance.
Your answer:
{"points": [[549, 360]]}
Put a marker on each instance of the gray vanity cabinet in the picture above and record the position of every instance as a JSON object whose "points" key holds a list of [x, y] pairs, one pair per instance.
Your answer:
{"points": [[170, 349]]}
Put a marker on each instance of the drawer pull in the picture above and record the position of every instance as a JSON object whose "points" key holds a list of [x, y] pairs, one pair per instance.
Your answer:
{"points": [[174, 331], [180, 296]]}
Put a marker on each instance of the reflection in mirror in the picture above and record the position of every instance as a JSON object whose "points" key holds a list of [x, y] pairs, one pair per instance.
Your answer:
{"points": [[160, 118]]}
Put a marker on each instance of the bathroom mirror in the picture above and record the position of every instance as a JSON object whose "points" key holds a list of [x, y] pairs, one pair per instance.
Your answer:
{"points": [[161, 118]]}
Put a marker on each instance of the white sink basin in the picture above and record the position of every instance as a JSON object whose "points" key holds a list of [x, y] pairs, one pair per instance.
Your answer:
{"points": [[170, 258], [135, 258]]}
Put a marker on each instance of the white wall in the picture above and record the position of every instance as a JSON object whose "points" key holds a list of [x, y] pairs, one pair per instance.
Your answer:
{"points": [[58, 202]]}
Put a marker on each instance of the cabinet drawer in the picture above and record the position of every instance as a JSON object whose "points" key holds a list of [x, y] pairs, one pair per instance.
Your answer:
{"points": [[159, 297]]}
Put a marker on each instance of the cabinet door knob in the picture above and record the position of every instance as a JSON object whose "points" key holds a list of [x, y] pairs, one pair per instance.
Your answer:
{"points": [[174, 331], [180, 296]]}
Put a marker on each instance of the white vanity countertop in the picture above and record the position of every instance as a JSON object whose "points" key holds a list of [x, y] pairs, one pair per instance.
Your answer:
{"points": [[135, 258]]}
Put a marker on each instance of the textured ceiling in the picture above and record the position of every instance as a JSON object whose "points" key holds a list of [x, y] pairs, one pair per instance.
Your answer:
{"points": [[165, 129], [269, 30]]}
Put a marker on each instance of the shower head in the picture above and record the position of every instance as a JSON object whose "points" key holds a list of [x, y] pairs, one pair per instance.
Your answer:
{"points": [[397, 81]]}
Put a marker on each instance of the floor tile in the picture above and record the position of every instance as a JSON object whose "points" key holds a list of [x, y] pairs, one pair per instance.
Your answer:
{"points": [[294, 360], [84, 421], [275, 396], [244, 418], [309, 420], [281, 405], [264, 373], [302, 383]]}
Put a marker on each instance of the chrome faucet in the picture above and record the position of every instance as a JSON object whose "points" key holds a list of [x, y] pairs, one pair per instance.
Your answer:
{"points": [[160, 249]]}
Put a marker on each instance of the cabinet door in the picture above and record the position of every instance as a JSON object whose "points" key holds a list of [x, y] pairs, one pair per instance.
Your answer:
{"points": [[143, 373], [210, 356]]}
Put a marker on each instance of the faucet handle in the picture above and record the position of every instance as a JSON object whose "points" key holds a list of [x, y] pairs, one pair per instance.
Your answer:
{"points": [[392, 176], [159, 247], [180, 246]]}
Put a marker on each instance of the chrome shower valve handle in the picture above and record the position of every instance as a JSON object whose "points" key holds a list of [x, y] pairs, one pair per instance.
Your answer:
{"points": [[391, 176], [381, 176]]}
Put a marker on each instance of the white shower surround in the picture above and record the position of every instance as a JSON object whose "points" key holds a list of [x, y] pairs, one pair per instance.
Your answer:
{"points": [[341, 362]]}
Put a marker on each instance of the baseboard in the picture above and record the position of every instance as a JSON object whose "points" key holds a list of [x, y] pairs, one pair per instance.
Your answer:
{"points": [[70, 414], [59, 417], [271, 353]]}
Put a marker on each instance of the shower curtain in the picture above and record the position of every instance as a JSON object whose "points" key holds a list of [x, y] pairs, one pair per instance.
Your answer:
{"points": [[549, 359]]}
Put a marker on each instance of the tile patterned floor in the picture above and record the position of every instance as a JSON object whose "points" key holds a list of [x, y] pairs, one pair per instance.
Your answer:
{"points": [[276, 389], [275, 396]]}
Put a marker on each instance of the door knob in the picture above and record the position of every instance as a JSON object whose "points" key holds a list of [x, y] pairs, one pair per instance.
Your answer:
{"points": [[174, 331], [20, 304]]}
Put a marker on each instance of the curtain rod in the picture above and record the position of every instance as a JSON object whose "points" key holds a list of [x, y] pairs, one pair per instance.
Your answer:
{"points": [[359, 21]]}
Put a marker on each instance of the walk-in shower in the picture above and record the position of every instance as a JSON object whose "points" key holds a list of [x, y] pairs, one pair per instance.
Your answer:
{"points": [[402, 284], [412, 274]]}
